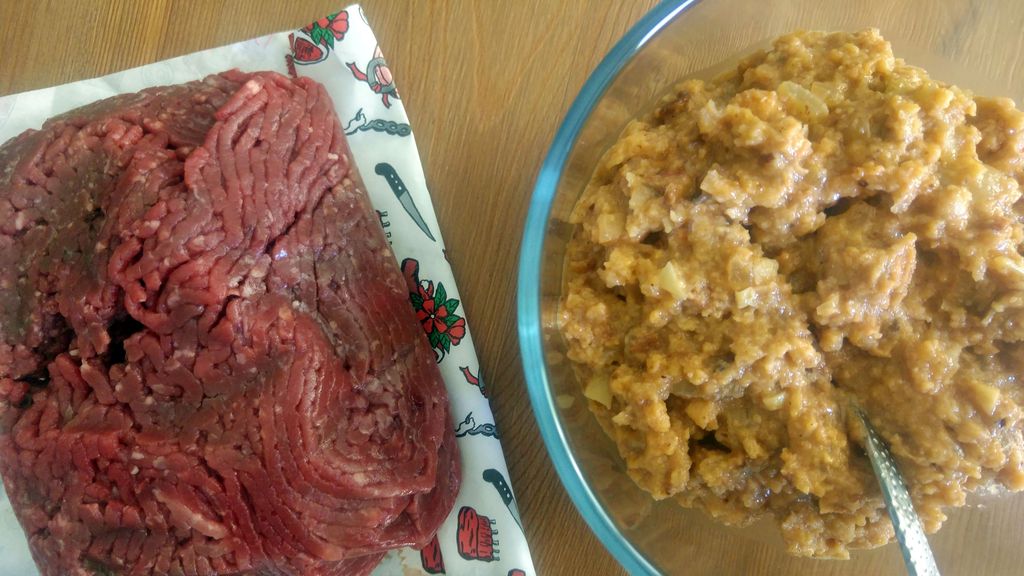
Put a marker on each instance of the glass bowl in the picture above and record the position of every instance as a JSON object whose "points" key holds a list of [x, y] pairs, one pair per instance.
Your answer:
{"points": [[976, 45]]}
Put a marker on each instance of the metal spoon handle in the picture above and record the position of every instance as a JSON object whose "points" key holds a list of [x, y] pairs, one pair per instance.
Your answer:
{"points": [[917, 554]]}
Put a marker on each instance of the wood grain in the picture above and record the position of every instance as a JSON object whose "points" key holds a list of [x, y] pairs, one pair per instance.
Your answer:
{"points": [[485, 84]]}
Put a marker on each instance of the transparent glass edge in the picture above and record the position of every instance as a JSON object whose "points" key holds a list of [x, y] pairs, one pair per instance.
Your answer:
{"points": [[528, 286]]}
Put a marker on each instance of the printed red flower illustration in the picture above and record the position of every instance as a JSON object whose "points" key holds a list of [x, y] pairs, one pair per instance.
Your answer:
{"points": [[326, 30], [434, 309]]}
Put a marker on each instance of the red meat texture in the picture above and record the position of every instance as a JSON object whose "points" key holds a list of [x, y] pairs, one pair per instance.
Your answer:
{"points": [[208, 361]]}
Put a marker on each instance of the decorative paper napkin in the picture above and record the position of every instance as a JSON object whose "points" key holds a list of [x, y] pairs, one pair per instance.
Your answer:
{"points": [[484, 534]]}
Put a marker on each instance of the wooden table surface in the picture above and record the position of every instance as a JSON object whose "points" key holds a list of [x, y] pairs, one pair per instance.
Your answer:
{"points": [[485, 84]]}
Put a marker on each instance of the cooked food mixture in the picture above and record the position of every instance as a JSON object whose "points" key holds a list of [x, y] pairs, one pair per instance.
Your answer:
{"points": [[208, 360], [821, 228]]}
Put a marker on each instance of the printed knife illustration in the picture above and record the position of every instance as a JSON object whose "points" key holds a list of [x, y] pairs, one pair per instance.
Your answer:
{"points": [[404, 197], [498, 481]]}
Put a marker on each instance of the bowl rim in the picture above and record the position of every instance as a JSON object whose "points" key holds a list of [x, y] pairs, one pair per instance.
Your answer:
{"points": [[528, 288]]}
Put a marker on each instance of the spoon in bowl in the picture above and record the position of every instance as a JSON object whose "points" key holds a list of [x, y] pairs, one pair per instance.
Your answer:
{"points": [[917, 554]]}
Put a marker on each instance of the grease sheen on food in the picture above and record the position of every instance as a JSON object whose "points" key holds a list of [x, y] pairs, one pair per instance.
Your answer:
{"points": [[821, 227]]}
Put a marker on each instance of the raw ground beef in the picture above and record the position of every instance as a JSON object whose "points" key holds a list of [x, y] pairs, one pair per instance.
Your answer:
{"points": [[208, 360]]}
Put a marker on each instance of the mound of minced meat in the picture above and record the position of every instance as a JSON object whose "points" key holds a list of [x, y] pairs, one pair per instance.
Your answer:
{"points": [[208, 360]]}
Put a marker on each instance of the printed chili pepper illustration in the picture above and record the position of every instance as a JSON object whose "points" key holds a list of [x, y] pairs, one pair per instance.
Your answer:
{"points": [[434, 309], [497, 480], [404, 196], [377, 76], [469, 427], [473, 379], [476, 536], [431, 559]]}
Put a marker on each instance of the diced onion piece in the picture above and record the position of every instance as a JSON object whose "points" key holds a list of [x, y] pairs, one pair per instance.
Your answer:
{"points": [[746, 297], [1007, 266], [564, 401], [804, 98], [986, 397], [670, 280], [774, 401], [598, 391]]}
